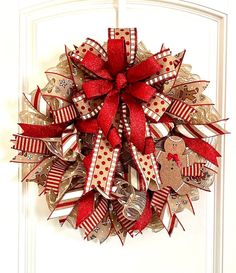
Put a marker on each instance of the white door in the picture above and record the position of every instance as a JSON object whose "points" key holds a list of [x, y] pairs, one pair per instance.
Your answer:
{"points": [[29, 46]]}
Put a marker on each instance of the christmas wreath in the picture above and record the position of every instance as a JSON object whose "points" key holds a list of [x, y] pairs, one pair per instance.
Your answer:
{"points": [[120, 139]]}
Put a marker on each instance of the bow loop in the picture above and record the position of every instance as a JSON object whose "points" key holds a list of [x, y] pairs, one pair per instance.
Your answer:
{"points": [[143, 70], [96, 65], [96, 88], [116, 55]]}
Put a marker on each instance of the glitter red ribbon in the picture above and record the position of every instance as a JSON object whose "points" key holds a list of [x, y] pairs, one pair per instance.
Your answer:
{"points": [[119, 82]]}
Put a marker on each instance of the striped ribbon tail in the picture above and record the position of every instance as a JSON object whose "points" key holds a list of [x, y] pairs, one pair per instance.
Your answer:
{"points": [[194, 170], [202, 131], [95, 218], [64, 114], [69, 140], [37, 101], [181, 110], [159, 130], [127, 224], [169, 219], [66, 204], [55, 176], [159, 199], [31, 145], [41, 167]]}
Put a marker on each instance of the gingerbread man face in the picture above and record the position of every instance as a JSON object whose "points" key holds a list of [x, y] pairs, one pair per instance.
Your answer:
{"points": [[174, 145]]}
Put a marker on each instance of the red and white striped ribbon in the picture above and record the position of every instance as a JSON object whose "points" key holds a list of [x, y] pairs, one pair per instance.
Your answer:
{"points": [[194, 170], [31, 145], [181, 110], [37, 101], [202, 131], [95, 218], [159, 199], [159, 130], [64, 114], [55, 176], [66, 204], [69, 140], [118, 209]]}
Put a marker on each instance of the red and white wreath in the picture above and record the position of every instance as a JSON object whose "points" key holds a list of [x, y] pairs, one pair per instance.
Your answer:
{"points": [[120, 139]]}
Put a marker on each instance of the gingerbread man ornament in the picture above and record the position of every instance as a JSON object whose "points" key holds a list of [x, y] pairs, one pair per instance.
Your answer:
{"points": [[172, 160]]}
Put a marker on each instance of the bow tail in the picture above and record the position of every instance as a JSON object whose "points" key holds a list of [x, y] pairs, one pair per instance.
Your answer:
{"points": [[146, 163], [69, 141], [108, 111], [102, 162], [161, 206]]}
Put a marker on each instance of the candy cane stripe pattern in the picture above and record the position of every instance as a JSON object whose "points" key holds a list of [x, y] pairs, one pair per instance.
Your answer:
{"points": [[194, 170], [127, 224], [38, 102], [159, 130], [182, 110], [64, 114], [28, 144], [95, 218], [66, 204], [202, 131], [55, 175], [159, 199]]}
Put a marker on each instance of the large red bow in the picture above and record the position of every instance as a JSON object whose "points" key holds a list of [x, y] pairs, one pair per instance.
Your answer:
{"points": [[118, 81]]}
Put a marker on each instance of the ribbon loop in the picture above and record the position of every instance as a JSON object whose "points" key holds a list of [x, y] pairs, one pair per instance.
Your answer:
{"points": [[116, 55], [96, 88], [143, 70]]}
